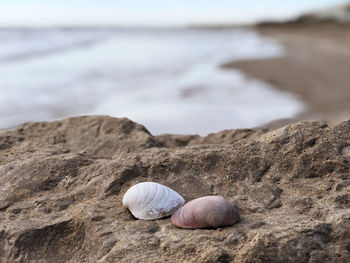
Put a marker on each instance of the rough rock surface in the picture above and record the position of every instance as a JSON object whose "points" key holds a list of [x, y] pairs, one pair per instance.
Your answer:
{"points": [[62, 182]]}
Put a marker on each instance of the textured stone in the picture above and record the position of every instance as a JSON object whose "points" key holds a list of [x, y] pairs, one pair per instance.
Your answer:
{"points": [[62, 182]]}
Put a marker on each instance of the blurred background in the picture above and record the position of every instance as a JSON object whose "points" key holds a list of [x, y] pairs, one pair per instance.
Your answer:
{"points": [[175, 66]]}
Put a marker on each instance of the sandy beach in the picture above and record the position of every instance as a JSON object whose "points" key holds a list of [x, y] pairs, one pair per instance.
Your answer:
{"points": [[316, 67]]}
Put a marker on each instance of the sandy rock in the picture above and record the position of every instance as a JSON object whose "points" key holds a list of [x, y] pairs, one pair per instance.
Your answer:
{"points": [[62, 182]]}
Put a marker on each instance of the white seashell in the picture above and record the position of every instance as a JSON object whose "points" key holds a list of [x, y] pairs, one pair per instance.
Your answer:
{"points": [[149, 201]]}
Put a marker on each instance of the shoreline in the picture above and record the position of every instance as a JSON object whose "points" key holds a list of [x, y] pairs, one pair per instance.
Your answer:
{"points": [[316, 68]]}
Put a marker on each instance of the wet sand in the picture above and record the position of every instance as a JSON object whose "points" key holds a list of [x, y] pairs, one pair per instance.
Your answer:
{"points": [[316, 68]]}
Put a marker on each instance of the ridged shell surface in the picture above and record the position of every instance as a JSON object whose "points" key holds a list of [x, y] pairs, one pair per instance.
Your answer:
{"points": [[149, 201], [207, 211]]}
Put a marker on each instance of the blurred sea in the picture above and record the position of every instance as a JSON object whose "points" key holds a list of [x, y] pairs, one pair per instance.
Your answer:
{"points": [[168, 80]]}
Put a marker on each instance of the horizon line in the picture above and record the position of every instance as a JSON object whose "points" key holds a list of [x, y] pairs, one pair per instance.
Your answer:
{"points": [[119, 26]]}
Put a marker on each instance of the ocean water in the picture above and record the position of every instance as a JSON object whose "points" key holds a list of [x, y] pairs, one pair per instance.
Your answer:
{"points": [[168, 80]]}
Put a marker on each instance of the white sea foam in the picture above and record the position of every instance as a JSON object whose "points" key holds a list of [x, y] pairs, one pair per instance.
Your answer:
{"points": [[167, 80]]}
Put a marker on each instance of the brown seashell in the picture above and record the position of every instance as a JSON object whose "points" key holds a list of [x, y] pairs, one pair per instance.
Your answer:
{"points": [[207, 211]]}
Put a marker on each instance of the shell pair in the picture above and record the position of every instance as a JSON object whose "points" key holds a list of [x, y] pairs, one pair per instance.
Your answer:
{"points": [[149, 201]]}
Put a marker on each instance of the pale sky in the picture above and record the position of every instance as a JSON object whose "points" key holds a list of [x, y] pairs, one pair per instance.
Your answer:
{"points": [[150, 12]]}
